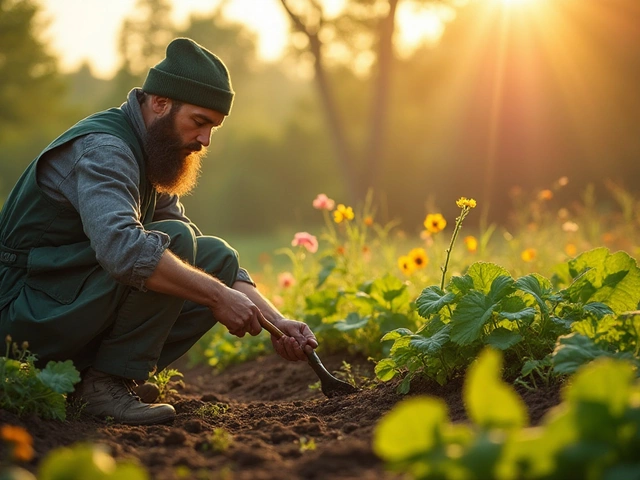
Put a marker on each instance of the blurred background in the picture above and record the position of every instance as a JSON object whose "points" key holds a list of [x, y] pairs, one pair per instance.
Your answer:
{"points": [[418, 102]]}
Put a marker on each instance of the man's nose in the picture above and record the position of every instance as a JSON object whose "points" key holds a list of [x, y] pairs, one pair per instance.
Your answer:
{"points": [[204, 137]]}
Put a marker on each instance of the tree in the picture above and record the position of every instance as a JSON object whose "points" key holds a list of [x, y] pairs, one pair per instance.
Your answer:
{"points": [[364, 32]]}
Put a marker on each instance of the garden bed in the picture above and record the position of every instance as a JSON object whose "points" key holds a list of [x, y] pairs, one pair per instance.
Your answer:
{"points": [[277, 426]]}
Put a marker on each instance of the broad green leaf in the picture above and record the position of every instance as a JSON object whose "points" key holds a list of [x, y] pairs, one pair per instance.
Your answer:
{"points": [[84, 461], [389, 321], [531, 285], [430, 345], [386, 369], [598, 309], [500, 288], [432, 300], [503, 338], [404, 386], [613, 279], [328, 264], [387, 289], [60, 376], [323, 302], [574, 350], [460, 285], [353, 322], [411, 428], [483, 274], [606, 381], [526, 314], [395, 334], [489, 401], [473, 311]]}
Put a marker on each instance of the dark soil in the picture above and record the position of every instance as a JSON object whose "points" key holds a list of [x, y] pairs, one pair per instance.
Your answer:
{"points": [[273, 419]]}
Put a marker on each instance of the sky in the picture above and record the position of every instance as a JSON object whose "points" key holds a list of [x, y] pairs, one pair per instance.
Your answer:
{"points": [[87, 30], [82, 30]]}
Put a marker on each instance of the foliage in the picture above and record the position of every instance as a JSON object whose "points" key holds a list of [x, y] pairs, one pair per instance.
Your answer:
{"points": [[594, 433], [84, 461], [522, 317], [162, 379], [26, 389], [219, 441], [211, 410]]}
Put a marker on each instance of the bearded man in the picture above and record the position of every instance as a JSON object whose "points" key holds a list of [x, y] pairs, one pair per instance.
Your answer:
{"points": [[98, 261]]}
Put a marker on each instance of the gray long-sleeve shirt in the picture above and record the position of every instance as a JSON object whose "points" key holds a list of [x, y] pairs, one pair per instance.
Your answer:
{"points": [[98, 176]]}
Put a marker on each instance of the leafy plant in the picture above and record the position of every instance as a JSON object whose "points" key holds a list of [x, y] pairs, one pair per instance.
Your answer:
{"points": [[162, 379], [84, 461], [26, 389], [522, 317], [594, 433], [211, 410]]}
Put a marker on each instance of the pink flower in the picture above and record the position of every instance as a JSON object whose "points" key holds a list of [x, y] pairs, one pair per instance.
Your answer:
{"points": [[322, 202], [305, 240], [286, 280]]}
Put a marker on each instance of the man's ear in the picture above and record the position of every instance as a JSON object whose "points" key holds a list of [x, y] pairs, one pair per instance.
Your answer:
{"points": [[160, 105]]}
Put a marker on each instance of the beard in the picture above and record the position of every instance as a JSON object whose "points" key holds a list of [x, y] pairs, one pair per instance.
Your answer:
{"points": [[172, 167]]}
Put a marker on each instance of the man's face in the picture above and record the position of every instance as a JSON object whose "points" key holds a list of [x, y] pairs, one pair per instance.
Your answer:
{"points": [[175, 143]]}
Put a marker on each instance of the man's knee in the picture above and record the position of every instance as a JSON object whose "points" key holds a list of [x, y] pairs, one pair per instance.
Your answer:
{"points": [[183, 238], [218, 258]]}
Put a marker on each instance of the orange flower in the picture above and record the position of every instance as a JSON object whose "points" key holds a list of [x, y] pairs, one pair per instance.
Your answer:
{"points": [[570, 249], [340, 250], [471, 243], [286, 280], [406, 264], [368, 220], [545, 195], [435, 222], [529, 255], [21, 440], [366, 253], [419, 257]]}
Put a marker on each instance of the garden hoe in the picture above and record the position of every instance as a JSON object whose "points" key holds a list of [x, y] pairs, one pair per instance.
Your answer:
{"points": [[330, 385]]}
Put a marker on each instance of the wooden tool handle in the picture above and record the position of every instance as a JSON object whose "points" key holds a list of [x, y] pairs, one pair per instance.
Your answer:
{"points": [[271, 328]]}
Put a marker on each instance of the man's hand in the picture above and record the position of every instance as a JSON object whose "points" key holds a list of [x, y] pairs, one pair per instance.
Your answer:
{"points": [[298, 339], [238, 313]]}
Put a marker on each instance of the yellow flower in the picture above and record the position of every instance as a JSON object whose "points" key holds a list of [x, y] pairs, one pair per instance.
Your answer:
{"points": [[463, 202], [435, 222], [406, 264], [570, 249], [342, 213], [22, 440], [419, 257], [529, 254], [471, 243]]}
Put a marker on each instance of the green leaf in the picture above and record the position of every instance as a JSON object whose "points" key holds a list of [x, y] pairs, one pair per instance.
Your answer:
{"points": [[473, 311], [500, 288], [60, 376], [490, 402], [606, 381], [386, 369], [432, 300], [405, 385], [323, 302], [613, 279], [413, 427], [387, 289], [530, 284], [328, 264], [389, 321], [430, 345], [503, 339], [395, 334], [574, 350], [598, 309], [461, 285], [483, 275], [353, 322], [526, 314]]}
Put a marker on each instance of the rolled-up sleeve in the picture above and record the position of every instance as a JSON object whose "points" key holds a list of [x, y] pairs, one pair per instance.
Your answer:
{"points": [[107, 179]]}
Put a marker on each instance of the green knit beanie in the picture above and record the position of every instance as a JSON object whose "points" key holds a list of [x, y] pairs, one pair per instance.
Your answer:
{"points": [[192, 74]]}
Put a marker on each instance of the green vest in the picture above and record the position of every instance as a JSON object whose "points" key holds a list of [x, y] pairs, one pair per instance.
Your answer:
{"points": [[42, 242]]}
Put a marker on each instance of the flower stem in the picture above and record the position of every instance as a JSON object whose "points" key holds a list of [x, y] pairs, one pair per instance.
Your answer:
{"points": [[456, 230]]}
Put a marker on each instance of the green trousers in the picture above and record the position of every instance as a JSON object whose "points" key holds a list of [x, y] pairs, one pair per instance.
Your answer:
{"points": [[115, 328]]}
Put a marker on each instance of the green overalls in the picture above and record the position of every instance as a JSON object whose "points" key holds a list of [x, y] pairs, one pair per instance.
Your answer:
{"points": [[55, 295]]}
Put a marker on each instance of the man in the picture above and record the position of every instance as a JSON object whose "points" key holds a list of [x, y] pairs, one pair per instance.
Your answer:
{"points": [[98, 262]]}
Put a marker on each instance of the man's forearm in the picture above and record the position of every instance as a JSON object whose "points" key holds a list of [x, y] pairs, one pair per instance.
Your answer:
{"points": [[174, 277]]}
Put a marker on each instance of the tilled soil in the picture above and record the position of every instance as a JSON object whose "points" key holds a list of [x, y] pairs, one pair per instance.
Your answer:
{"points": [[278, 428]]}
